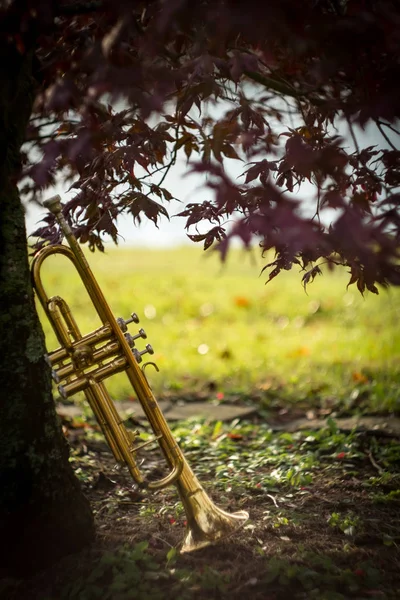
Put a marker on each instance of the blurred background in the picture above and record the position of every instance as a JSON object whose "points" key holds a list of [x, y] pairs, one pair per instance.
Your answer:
{"points": [[220, 334]]}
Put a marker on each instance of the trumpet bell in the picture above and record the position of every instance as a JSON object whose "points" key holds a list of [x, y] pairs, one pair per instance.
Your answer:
{"points": [[207, 524], [211, 526]]}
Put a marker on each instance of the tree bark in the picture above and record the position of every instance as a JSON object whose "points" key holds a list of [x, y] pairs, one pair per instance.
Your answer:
{"points": [[43, 512]]}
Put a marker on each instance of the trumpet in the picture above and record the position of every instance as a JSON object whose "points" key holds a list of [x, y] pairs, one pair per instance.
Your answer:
{"points": [[84, 362]]}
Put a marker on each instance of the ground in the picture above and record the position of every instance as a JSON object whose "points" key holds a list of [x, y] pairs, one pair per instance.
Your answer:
{"points": [[323, 503]]}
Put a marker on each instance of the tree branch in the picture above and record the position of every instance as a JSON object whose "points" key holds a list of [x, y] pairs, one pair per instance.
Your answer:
{"points": [[353, 135], [379, 126], [280, 87], [389, 126]]}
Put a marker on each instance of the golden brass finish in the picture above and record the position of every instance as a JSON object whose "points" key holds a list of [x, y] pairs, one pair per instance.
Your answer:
{"points": [[79, 364]]}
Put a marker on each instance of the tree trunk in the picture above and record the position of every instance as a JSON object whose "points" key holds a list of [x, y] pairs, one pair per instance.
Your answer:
{"points": [[43, 512]]}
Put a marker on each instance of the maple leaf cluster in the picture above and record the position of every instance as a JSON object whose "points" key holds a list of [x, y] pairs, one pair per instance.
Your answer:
{"points": [[124, 89]]}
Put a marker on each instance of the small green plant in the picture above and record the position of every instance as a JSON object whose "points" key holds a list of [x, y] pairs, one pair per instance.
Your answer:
{"points": [[147, 511], [392, 497], [348, 523], [277, 521]]}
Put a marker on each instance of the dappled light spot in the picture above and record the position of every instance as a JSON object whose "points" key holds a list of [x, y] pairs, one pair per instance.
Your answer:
{"points": [[203, 349], [298, 322], [150, 311], [313, 307], [191, 324], [206, 309], [282, 322], [348, 299]]}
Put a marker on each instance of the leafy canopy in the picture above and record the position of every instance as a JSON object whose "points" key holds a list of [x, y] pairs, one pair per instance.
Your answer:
{"points": [[126, 88]]}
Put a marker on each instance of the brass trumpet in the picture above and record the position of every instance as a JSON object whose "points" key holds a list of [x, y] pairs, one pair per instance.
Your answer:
{"points": [[83, 362]]}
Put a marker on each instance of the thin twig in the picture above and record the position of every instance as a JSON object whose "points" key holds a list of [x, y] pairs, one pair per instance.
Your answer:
{"points": [[174, 155], [389, 126], [353, 135], [375, 464], [379, 126], [273, 500], [162, 540]]}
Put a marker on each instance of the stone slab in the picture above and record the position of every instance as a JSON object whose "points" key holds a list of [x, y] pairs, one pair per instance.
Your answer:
{"points": [[172, 412], [228, 412], [387, 424]]}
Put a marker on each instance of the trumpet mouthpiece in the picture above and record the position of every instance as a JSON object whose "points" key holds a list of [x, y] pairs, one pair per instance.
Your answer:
{"points": [[53, 204]]}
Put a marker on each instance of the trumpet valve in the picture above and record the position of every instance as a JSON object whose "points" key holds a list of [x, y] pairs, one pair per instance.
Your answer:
{"points": [[82, 357], [131, 338], [123, 323], [138, 355]]}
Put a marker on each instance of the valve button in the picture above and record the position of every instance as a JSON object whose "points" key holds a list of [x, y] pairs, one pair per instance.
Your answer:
{"points": [[123, 323], [131, 338], [138, 355]]}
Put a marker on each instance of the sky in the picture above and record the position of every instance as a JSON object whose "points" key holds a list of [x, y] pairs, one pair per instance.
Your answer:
{"points": [[189, 188], [169, 232]]}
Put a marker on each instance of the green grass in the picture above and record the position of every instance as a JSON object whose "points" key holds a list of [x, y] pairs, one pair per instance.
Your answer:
{"points": [[218, 330]]}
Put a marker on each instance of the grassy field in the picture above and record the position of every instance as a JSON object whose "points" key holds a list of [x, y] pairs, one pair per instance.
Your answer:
{"points": [[219, 332]]}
